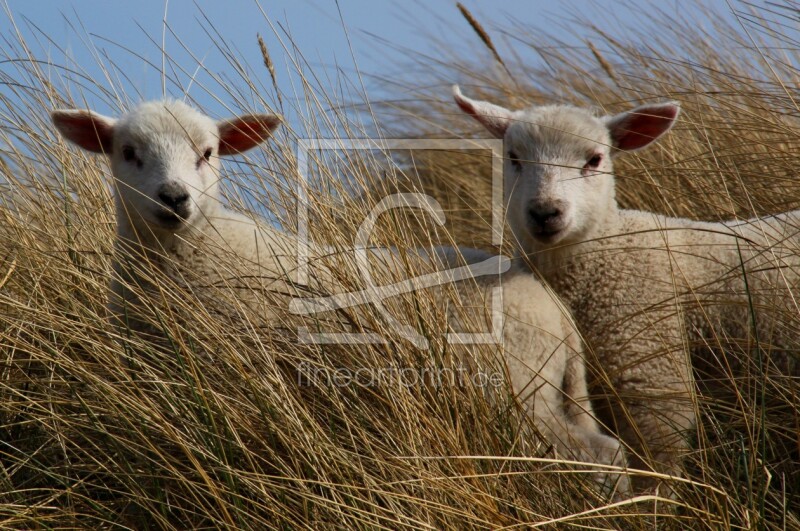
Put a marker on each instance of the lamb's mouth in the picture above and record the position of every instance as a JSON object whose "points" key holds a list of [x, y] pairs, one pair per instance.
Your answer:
{"points": [[548, 235], [169, 219]]}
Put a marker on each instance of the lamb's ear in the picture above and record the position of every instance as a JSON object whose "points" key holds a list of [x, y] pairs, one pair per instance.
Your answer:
{"points": [[641, 126], [245, 132], [493, 117], [91, 131]]}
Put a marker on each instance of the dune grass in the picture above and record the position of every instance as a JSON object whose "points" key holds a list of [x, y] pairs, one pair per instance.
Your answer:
{"points": [[226, 422]]}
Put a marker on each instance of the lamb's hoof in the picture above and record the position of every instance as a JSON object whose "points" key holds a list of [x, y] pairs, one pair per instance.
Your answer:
{"points": [[614, 484]]}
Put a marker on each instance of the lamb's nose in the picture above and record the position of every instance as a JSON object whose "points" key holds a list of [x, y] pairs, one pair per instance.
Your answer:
{"points": [[175, 197], [544, 216]]}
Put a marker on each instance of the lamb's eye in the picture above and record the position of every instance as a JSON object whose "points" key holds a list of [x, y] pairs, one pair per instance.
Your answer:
{"points": [[512, 156], [128, 153], [594, 161], [206, 156]]}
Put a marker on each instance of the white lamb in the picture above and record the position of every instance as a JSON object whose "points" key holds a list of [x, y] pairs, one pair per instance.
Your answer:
{"points": [[164, 158], [645, 290]]}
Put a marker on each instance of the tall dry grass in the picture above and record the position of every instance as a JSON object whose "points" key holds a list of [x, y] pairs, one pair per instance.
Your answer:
{"points": [[218, 423], [219, 420]]}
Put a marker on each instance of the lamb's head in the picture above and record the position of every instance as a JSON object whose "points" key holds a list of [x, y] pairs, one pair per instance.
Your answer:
{"points": [[559, 185], [164, 157]]}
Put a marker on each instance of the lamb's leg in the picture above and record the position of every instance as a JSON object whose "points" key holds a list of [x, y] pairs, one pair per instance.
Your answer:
{"points": [[543, 355], [578, 441], [649, 406], [576, 392], [579, 412]]}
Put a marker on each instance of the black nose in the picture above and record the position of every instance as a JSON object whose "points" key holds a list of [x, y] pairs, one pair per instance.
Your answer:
{"points": [[175, 197], [545, 217]]}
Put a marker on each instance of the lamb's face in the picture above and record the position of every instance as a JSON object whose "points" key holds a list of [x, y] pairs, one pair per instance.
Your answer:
{"points": [[557, 174], [164, 157], [558, 183]]}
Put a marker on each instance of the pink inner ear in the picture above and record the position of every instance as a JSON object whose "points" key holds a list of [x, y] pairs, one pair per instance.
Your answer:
{"points": [[642, 126], [87, 131], [240, 134]]}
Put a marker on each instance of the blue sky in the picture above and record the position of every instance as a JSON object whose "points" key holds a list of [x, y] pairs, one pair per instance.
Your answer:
{"points": [[129, 35]]}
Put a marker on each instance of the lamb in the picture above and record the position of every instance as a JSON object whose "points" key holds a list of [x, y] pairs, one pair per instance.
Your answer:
{"points": [[650, 293], [165, 161], [164, 158]]}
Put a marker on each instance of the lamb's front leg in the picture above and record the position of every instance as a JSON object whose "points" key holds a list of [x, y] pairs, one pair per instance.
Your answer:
{"points": [[580, 413], [577, 441], [647, 400], [545, 368]]}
